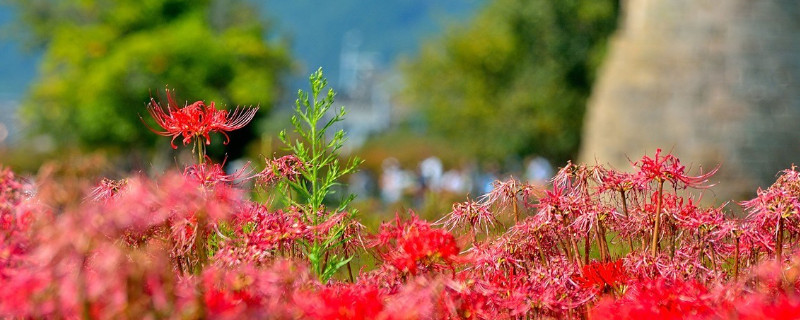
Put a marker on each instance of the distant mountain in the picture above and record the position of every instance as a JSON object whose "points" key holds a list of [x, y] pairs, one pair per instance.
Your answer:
{"points": [[387, 28]]}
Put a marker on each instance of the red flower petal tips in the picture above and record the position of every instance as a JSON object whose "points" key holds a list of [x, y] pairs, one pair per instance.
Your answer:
{"points": [[197, 119]]}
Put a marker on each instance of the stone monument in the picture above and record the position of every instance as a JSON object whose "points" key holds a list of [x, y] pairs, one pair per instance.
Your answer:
{"points": [[714, 82]]}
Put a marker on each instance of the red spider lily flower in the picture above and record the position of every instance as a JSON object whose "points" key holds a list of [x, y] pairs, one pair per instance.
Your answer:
{"points": [[223, 121], [531, 237], [491, 255], [107, 189], [756, 306], [427, 246], [196, 120], [603, 277], [259, 233], [503, 193], [11, 188], [669, 168], [247, 291], [209, 174], [562, 203], [413, 244], [289, 167], [472, 214], [573, 176], [781, 199], [659, 299], [341, 302], [616, 181], [13, 199], [463, 303]]}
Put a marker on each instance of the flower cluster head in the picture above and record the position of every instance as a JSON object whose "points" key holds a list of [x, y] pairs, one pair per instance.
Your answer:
{"points": [[341, 302], [197, 120], [603, 277], [210, 173], [471, 214], [11, 188], [669, 168], [289, 167], [616, 181], [107, 189], [659, 299], [414, 243], [781, 199]]}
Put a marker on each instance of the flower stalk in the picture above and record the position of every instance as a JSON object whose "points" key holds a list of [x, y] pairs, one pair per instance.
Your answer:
{"points": [[654, 244]]}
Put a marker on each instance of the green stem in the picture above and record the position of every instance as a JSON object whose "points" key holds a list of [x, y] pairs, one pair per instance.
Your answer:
{"points": [[200, 150]]}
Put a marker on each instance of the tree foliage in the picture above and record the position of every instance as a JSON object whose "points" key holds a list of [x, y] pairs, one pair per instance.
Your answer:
{"points": [[514, 81], [104, 58]]}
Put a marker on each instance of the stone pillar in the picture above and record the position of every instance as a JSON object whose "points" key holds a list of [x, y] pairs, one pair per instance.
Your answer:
{"points": [[715, 82]]}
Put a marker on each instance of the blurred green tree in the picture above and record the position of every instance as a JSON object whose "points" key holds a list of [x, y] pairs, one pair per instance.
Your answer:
{"points": [[515, 81], [104, 58]]}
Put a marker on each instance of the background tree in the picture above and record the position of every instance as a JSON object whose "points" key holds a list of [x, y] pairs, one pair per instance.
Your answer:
{"points": [[104, 58], [515, 81]]}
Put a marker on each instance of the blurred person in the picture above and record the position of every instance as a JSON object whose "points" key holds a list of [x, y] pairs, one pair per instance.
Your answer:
{"points": [[486, 178], [538, 171], [431, 173], [394, 181], [455, 181]]}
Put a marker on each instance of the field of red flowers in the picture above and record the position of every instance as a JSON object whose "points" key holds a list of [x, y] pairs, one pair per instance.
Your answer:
{"points": [[596, 244]]}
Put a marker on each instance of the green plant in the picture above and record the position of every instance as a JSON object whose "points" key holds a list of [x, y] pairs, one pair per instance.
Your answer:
{"points": [[319, 173]]}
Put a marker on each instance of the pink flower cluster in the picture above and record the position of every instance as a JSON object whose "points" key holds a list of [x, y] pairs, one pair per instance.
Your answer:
{"points": [[194, 245]]}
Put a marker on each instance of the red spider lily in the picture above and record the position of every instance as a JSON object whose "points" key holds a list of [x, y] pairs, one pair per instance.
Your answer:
{"points": [[197, 120], [419, 292], [782, 307], [413, 244], [553, 290], [504, 193], [669, 168], [616, 181], [16, 210], [248, 292], [107, 189], [11, 189], [491, 255], [659, 299], [573, 177], [569, 212], [563, 200], [209, 174], [603, 277], [472, 214], [463, 303], [289, 167], [776, 209], [265, 230], [532, 237], [341, 302]]}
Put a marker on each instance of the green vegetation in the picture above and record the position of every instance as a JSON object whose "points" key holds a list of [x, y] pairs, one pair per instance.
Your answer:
{"points": [[320, 173], [102, 58], [515, 81]]}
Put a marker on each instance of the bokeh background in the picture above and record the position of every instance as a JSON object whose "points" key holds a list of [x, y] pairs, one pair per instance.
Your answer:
{"points": [[444, 97]]}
